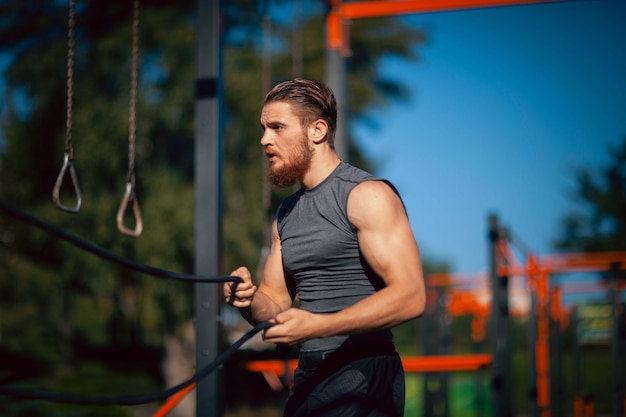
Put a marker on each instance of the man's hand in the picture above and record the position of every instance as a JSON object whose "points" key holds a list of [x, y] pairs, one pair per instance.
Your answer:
{"points": [[240, 294], [294, 326]]}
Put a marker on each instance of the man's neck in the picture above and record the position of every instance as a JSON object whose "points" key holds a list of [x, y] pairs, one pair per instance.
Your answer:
{"points": [[321, 167]]}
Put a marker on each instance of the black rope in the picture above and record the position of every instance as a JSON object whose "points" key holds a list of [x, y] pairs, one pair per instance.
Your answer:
{"points": [[20, 392], [109, 256]]}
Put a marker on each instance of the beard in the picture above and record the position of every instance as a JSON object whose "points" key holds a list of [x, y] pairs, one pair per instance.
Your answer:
{"points": [[293, 169]]}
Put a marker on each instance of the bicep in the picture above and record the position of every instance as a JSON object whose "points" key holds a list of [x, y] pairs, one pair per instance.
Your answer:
{"points": [[384, 233]]}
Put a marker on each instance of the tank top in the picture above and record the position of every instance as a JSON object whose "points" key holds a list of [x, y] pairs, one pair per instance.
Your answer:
{"points": [[320, 250]]}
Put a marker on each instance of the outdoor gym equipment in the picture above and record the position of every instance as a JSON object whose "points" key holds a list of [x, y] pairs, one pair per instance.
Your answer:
{"points": [[130, 196], [538, 270]]}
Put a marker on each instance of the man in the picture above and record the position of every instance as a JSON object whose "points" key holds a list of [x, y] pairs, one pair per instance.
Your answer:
{"points": [[343, 245]]}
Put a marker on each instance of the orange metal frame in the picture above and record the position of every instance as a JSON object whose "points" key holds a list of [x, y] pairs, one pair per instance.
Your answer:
{"points": [[337, 40], [462, 302]]}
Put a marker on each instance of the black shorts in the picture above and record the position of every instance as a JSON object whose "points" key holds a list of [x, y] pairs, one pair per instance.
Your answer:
{"points": [[364, 381]]}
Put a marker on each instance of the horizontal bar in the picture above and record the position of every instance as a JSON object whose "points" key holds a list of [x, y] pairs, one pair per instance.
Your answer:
{"points": [[446, 363], [427, 363], [367, 9]]}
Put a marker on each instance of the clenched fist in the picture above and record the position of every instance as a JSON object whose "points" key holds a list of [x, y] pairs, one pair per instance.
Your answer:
{"points": [[240, 294]]}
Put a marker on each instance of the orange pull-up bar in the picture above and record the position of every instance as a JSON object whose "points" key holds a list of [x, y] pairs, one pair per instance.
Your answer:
{"points": [[273, 369], [426, 363], [366, 9]]}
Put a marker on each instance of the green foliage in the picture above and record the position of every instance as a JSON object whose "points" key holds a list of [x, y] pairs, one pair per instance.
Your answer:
{"points": [[599, 221]]}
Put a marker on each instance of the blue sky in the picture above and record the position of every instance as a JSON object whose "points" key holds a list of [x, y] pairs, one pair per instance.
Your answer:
{"points": [[507, 102]]}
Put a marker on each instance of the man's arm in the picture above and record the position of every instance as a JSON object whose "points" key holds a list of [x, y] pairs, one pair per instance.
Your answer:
{"points": [[388, 245], [274, 294]]}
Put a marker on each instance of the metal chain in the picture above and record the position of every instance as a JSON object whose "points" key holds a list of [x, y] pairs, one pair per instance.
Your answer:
{"points": [[68, 158], [132, 123], [70, 81], [129, 195]]}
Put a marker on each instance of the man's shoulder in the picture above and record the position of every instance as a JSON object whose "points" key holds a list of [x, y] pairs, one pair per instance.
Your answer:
{"points": [[352, 173], [364, 180], [370, 191], [370, 201], [373, 186]]}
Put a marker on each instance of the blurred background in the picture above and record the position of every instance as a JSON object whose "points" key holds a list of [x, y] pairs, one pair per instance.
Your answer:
{"points": [[517, 112]]}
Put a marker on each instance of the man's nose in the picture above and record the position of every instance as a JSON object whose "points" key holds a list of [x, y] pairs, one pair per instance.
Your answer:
{"points": [[265, 139]]}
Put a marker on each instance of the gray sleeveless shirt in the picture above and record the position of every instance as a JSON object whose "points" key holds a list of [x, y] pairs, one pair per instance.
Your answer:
{"points": [[321, 252]]}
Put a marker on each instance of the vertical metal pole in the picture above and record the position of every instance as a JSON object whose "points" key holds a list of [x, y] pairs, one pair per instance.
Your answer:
{"points": [[479, 376], [336, 79], [429, 345], [577, 382], [208, 199], [543, 342], [435, 341], [532, 355], [618, 394], [500, 326], [336, 73], [622, 353], [445, 342], [557, 397], [425, 321]]}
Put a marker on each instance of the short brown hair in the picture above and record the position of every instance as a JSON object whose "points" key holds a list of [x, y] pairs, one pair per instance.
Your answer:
{"points": [[313, 100]]}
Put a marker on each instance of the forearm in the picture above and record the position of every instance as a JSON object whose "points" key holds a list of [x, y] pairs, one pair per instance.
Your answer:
{"points": [[262, 308], [382, 310], [385, 309]]}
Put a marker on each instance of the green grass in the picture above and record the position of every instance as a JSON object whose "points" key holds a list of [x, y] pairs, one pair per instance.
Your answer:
{"points": [[467, 396]]}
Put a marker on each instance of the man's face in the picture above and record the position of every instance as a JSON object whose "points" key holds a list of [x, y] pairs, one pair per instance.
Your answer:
{"points": [[286, 144]]}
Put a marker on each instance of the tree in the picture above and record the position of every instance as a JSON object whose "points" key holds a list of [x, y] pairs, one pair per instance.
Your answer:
{"points": [[599, 222], [65, 311]]}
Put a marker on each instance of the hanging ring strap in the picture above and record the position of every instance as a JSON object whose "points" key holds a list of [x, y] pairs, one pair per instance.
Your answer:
{"points": [[68, 159], [129, 194], [129, 197], [68, 164]]}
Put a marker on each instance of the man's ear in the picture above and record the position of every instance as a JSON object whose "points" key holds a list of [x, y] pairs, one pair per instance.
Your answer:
{"points": [[318, 131]]}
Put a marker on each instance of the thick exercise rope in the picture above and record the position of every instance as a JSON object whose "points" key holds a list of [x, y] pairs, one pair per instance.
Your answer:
{"points": [[109, 256], [20, 392]]}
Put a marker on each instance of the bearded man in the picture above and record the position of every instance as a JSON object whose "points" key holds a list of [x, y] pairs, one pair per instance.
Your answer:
{"points": [[342, 244]]}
